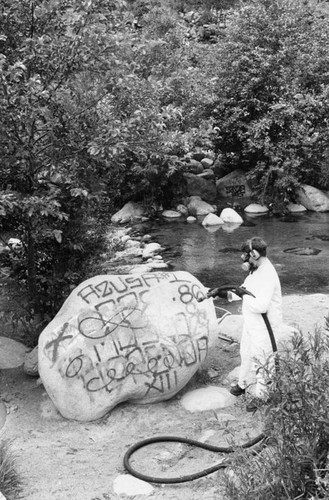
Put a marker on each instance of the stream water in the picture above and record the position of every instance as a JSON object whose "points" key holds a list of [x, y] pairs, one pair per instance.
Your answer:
{"points": [[298, 247]]}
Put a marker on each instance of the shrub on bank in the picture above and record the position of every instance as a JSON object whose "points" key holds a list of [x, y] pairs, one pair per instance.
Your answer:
{"points": [[10, 481], [273, 95], [295, 465]]}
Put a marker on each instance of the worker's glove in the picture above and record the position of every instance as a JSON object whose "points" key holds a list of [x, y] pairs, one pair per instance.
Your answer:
{"points": [[217, 292]]}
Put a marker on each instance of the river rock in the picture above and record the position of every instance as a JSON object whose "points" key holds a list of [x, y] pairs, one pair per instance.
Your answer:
{"points": [[129, 211], [296, 208], [231, 216], [125, 338], [212, 220], [141, 269], [150, 249], [171, 214], [182, 209], [195, 166], [30, 365], [198, 186], [207, 174], [12, 353], [219, 168], [207, 162], [197, 206], [256, 209], [132, 251], [125, 238], [132, 243], [313, 199], [233, 185], [159, 265]]}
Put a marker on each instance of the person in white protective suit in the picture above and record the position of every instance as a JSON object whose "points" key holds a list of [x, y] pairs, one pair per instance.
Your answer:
{"points": [[256, 347]]}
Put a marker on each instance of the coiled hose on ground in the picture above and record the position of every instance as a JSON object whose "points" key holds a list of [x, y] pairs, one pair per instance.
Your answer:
{"points": [[259, 440]]}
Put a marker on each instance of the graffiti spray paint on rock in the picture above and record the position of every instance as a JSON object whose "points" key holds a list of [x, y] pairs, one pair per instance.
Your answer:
{"points": [[118, 338]]}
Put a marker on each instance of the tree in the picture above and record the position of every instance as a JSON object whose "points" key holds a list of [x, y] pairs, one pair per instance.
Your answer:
{"points": [[272, 95], [94, 110], [47, 119]]}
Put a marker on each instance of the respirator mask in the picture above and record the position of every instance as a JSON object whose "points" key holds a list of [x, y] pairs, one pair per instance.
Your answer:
{"points": [[249, 266]]}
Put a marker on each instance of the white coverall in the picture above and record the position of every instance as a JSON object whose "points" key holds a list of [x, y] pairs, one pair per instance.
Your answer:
{"points": [[256, 347]]}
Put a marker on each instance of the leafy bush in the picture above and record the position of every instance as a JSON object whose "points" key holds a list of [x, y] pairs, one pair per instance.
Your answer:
{"points": [[272, 95], [95, 109], [10, 481], [296, 423], [98, 100]]}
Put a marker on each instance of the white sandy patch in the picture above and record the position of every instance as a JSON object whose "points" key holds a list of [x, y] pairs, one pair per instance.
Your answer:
{"points": [[129, 485], [208, 398]]}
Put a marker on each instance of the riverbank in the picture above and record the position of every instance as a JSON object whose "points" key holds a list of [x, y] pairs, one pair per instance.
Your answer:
{"points": [[60, 459]]}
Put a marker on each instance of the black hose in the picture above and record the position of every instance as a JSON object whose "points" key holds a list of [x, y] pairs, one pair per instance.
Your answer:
{"points": [[260, 440], [270, 332]]}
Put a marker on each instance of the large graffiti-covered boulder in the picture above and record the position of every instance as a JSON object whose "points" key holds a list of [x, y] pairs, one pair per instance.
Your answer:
{"points": [[125, 338]]}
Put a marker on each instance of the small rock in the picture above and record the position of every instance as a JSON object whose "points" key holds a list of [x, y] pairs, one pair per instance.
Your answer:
{"points": [[171, 214], [30, 366], [212, 220], [182, 209], [141, 269], [207, 162], [158, 257], [256, 209], [195, 167], [213, 373], [313, 199], [231, 216], [295, 208], [129, 485], [150, 249], [159, 265], [125, 238], [132, 243], [207, 174], [128, 212], [12, 353], [208, 398]]}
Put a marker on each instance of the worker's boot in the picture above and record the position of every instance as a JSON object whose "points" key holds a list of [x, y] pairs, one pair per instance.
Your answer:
{"points": [[236, 390]]}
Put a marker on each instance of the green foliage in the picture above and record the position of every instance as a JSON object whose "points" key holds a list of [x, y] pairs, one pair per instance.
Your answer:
{"points": [[51, 184], [95, 109], [295, 465], [272, 103], [10, 481], [99, 100]]}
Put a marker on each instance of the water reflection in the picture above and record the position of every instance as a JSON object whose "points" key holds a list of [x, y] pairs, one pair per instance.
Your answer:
{"points": [[214, 257]]}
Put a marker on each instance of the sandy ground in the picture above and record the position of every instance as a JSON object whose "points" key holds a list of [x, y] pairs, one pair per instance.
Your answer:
{"points": [[64, 460]]}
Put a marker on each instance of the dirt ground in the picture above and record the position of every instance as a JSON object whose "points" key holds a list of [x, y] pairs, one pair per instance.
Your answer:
{"points": [[62, 460], [65, 460]]}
